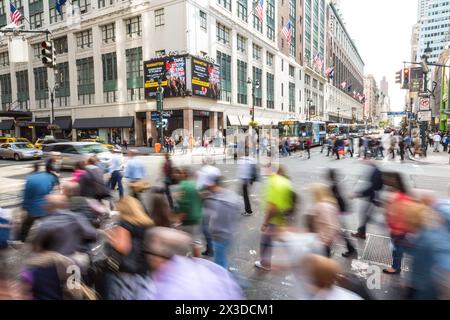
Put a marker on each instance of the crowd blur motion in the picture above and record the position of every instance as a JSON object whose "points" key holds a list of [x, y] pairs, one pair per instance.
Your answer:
{"points": [[110, 234]]}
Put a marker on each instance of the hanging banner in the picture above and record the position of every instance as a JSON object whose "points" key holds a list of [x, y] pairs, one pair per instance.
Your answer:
{"points": [[172, 73], [205, 79], [18, 50]]}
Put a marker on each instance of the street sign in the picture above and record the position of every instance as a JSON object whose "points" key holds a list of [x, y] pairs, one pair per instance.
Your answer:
{"points": [[424, 116], [397, 114], [424, 104]]}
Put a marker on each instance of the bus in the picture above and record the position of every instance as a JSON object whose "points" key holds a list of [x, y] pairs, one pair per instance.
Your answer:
{"points": [[338, 129], [293, 129]]}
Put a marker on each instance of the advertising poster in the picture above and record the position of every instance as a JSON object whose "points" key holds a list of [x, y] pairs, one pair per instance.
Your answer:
{"points": [[172, 73], [205, 79]]}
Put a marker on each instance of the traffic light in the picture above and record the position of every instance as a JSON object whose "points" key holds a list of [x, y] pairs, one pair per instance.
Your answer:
{"points": [[48, 54], [405, 78], [398, 77]]}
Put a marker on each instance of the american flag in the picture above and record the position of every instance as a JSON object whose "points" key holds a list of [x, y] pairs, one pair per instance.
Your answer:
{"points": [[259, 9], [318, 62], [287, 32], [16, 16]]}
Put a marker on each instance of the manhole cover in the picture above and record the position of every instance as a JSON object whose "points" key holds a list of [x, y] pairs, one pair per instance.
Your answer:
{"points": [[379, 250]]}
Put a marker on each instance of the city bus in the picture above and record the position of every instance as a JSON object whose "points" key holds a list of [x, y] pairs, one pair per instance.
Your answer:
{"points": [[293, 129], [338, 129]]}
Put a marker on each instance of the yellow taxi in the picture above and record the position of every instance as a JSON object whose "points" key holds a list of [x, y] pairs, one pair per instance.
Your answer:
{"points": [[101, 141], [11, 140]]}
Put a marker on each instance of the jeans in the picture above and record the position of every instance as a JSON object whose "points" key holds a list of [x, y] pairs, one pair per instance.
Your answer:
{"points": [[221, 249], [266, 246], [397, 251], [436, 146], [116, 178], [248, 206]]}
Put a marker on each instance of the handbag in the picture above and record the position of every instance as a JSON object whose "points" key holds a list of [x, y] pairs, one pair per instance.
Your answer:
{"points": [[139, 186]]}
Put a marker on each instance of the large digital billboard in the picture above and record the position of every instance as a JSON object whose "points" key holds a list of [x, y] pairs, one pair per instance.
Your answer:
{"points": [[172, 73], [205, 79]]}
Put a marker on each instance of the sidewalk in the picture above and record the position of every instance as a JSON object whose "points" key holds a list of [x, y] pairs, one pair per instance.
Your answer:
{"points": [[440, 158]]}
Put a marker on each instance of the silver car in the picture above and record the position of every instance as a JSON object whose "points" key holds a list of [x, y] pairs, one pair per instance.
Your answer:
{"points": [[19, 151], [75, 152]]}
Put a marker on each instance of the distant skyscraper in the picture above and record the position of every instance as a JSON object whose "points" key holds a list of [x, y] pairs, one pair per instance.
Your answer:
{"points": [[421, 8], [384, 86], [434, 28]]}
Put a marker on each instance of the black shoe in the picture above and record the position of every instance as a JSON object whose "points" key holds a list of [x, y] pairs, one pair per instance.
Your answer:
{"points": [[350, 253], [359, 235], [386, 271]]}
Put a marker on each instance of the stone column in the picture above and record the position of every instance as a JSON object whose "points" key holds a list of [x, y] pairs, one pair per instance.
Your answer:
{"points": [[121, 61], [98, 65], [213, 124], [138, 131], [188, 120], [72, 48]]}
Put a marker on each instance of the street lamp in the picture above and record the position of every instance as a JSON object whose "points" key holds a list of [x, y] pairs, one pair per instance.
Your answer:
{"points": [[254, 86], [309, 108], [426, 70]]}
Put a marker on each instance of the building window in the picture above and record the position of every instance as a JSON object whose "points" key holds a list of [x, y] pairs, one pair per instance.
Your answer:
{"points": [[241, 44], [225, 3], [257, 77], [37, 51], [40, 87], [135, 72], [62, 79], [203, 20], [257, 52], [36, 20], [22, 89], [4, 59], [291, 71], [257, 25], [224, 62], [159, 17], [84, 5], [108, 33], [242, 82], [84, 39], [223, 34], [242, 10], [134, 27], [270, 18], [61, 45], [282, 89], [85, 80], [291, 97], [270, 81], [109, 62], [269, 59], [5, 89], [104, 3], [159, 53]]}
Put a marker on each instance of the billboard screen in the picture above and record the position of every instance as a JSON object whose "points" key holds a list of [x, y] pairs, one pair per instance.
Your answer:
{"points": [[172, 72], [205, 79]]}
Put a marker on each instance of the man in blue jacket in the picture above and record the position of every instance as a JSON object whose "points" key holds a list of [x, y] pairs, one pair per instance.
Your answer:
{"points": [[37, 186]]}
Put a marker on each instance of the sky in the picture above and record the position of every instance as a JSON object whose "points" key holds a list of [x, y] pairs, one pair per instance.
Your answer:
{"points": [[381, 30]]}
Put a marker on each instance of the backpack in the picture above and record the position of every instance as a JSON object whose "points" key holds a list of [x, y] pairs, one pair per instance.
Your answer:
{"points": [[291, 214], [255, 173]]}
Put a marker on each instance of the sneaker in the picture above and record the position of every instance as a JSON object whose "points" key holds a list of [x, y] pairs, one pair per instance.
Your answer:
{"points": [[247, 214], [259, 265]]}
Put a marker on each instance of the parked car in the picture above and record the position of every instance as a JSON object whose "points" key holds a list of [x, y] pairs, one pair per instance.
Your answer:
{"points": [[19, 151], [42, 142], [74, 152], [11, 140]]}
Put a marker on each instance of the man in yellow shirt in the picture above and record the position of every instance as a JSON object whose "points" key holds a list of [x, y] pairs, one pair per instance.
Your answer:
{"points": [[279, 200]]}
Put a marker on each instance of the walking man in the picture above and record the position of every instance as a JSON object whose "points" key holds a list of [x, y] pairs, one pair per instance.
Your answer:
{"points": [[437, 141], [246, 166], [116, 172]]}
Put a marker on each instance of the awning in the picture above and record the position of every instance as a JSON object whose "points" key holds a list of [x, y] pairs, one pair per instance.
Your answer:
{"points": [[245, 120], [266, 121], [65, 123], [234, 120], [111, 122], [7, 125]]}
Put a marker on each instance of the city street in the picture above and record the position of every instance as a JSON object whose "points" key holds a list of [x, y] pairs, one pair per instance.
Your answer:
{"points": [[281, 285]]}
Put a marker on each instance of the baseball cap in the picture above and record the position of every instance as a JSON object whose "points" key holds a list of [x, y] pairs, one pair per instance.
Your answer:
{"points": [[208, 177]]}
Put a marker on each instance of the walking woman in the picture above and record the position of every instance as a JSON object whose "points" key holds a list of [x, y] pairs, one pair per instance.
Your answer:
{"points": [[127, 268], [395, 218]]}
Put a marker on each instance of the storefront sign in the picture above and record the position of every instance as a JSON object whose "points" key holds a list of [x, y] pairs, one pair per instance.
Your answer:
{"points": [[205, 79], [172, 73]]}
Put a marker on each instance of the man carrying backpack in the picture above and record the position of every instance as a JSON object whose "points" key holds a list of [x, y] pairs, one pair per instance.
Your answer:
{"points": [[248, 175]]}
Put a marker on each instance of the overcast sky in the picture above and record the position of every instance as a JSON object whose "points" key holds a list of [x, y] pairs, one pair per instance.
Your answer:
{"points": [[381, 30]]}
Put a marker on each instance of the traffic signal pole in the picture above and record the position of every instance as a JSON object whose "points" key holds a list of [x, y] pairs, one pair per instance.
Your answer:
{"points": [[160, 109]]}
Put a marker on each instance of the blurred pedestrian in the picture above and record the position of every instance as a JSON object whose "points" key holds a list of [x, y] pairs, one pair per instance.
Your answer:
{"points": [[124, 278], [92, 183], [177, 277], [168, 177], [278, 201], [323, 274], [37, 186], [221, 205], [188, 208], [160, 211], [247, 176], [80, 170], [308, 147], [135, 173], [325, 213], [116, 172], [437, 141], [371, 194], [336, 190]]}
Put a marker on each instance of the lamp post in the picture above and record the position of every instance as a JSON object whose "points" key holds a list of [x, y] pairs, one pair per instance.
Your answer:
{"points": [[52, 104], [309, 108], [426, 70], [255, 85]]}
